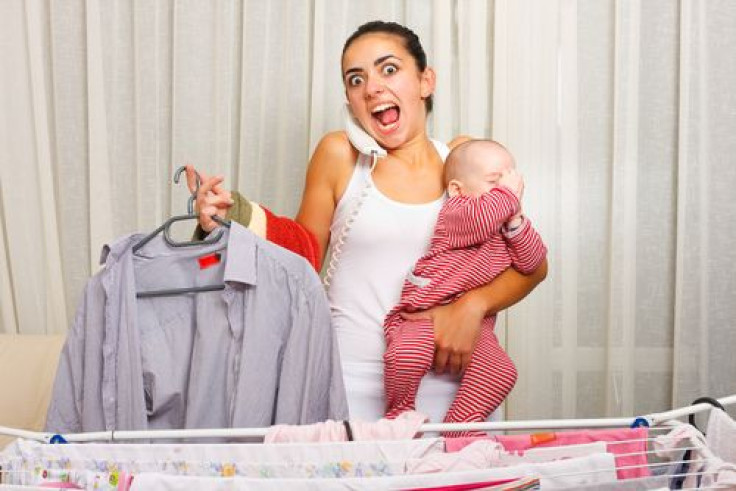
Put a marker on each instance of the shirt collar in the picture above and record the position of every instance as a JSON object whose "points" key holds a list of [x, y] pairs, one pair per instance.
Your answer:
{"points": [[241, 265], [115, 249]]}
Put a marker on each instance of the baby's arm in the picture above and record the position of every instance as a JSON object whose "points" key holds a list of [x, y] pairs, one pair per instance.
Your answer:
{"points": [[525, 246], [470, 221]]}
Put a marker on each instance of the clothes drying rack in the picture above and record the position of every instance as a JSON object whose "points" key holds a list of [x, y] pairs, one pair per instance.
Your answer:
{"points": [[692, 463], [650, 420]]}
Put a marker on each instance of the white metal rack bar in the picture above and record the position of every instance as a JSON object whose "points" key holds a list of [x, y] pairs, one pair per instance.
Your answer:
{"points": [[653, 419]]}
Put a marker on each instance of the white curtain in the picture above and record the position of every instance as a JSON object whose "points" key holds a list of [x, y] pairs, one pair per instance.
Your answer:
{"points": [[103, 100], [621, 115]]}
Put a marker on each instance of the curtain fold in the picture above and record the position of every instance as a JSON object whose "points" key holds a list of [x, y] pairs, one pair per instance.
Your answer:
{"points": [[618, 114], [706, 215], [621, 115]]}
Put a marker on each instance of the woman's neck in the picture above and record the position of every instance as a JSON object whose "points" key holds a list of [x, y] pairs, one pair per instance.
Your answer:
{"points": [[415, 152]]}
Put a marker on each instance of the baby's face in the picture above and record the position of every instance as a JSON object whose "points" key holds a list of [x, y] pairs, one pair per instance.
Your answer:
{"points": [[485, 171]]}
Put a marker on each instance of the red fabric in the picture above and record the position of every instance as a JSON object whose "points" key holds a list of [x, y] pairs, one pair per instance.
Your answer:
{"points": [[468, 486], [288, 234]]}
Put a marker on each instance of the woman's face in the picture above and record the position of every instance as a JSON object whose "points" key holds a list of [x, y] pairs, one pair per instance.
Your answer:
{"points": [[385, 89]]}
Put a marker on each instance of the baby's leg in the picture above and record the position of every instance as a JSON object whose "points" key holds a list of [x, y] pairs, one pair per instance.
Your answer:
{"points": [[408, 357], [487, 381]]}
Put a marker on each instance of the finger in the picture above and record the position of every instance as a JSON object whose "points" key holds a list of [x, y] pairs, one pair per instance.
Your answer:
{"points": [[456, 363], [424, 314], [208, 183], [440, 361], [218, 201], [205, 218], [191, 178], [218, 189], [465, 362]]}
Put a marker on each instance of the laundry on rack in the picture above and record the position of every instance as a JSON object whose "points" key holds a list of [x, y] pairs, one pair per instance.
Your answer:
{"points": [[259, 352], [552, 475], [698, 466], [406, 464], [403, 427], [484, 453], [292, 461], [355, 465], [179, 483], [628, 444], [720, 435], [681, 456]]}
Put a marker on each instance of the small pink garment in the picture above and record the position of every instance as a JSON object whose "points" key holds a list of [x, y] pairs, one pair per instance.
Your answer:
{"points": [[629, 445], [480, 455], [404, 427]]}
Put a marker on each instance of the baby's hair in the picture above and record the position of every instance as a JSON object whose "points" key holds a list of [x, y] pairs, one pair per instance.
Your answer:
{"points": [[457, 164]]}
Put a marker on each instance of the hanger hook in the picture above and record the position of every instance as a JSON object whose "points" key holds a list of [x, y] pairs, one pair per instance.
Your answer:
{"points": [[198, 181], [709, 400]]}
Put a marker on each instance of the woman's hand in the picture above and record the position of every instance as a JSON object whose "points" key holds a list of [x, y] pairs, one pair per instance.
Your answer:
{"points": [[457, 325], [212, 198], [456, 330]]}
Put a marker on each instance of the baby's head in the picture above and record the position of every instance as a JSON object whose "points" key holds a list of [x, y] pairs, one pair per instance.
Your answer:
{"points": [[474, 167]]}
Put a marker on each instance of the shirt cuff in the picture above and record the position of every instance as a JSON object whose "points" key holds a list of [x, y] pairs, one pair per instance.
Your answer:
{"points": [[510, 233]]}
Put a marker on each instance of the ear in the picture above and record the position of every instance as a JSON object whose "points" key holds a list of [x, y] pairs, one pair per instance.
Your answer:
{"points": [[454, 188], [428, 82]]}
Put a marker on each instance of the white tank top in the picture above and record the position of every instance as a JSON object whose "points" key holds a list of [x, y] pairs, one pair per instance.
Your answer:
{"points": [[385, 240]]}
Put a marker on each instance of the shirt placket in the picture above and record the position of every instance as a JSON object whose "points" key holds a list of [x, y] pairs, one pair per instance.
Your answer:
{"points": [[235, 317]]}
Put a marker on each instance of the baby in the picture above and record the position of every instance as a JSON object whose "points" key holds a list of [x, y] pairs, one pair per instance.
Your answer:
{"points": [[480, 232]]}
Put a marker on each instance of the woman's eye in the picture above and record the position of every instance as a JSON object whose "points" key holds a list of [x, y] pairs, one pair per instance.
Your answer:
{"points": [[390, 69], [355, 80]]}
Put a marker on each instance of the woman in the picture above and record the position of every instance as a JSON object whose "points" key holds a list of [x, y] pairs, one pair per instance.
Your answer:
{"points": [[380, 215]]}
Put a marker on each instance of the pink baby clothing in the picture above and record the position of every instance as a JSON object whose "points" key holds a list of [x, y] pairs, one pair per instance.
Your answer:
{"points": [[628, 444], [467, 250], [405, 427]]}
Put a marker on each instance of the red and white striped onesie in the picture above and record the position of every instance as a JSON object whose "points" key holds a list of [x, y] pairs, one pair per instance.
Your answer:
{"points": [[467, 250]]}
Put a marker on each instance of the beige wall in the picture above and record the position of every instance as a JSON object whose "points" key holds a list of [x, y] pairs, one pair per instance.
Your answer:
{"points": [[27, 370]]}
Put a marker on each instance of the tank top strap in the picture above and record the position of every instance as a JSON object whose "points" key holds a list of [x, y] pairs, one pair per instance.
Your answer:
{"points": [[441, 148]]}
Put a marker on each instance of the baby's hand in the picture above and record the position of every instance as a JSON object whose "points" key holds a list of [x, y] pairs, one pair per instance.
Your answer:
{"points": [[512, 180]]}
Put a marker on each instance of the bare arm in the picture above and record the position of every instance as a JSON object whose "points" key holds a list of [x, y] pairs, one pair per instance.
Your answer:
{"points": [[457, 325], [328, 173], [327, 176]]}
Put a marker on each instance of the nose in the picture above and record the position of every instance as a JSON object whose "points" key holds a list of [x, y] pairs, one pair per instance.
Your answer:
{"points": [[374, 86]]}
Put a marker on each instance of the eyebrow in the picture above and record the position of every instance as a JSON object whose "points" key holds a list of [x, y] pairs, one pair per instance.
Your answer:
{"points": [[375, 63]]}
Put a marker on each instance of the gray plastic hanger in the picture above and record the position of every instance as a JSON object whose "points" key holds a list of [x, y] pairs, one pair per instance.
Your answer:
{"points": [[165, 228]]}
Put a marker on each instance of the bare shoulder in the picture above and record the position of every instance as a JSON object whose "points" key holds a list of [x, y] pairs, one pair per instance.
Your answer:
{"points": [[333, 160], [335, 147], [458, 140]]}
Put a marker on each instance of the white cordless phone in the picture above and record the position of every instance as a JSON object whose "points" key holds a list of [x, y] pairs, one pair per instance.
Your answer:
{"points": [[368, 146]]}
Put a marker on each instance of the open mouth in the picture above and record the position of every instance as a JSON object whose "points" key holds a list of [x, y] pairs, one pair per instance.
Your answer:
{"points": [[386, 116]]}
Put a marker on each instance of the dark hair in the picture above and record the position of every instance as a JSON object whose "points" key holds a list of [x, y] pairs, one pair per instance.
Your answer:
{"points": [[411, 43]]}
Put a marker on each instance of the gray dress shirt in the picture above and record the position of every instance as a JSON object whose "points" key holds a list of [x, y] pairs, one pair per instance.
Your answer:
{"points": [[258, 353]]}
